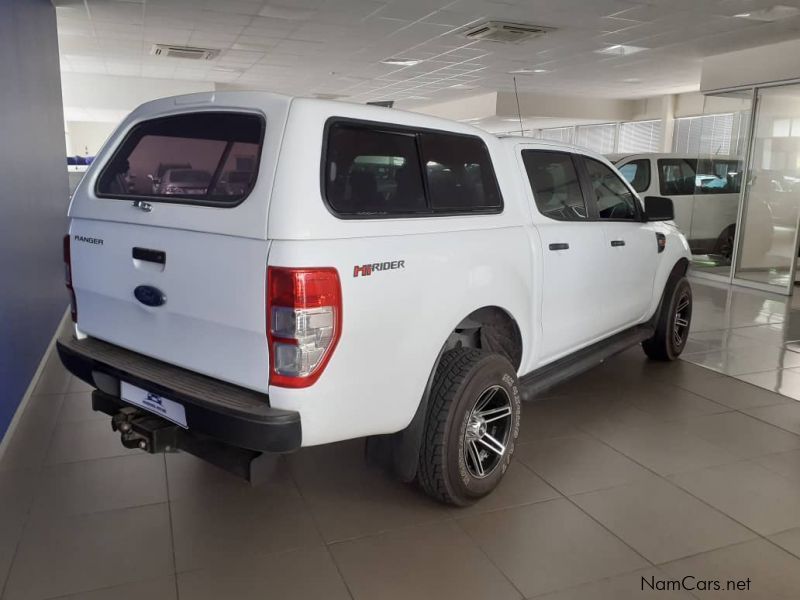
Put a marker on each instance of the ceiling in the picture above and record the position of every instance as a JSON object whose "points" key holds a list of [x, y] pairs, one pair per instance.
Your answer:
{"points": [[316, 47]]}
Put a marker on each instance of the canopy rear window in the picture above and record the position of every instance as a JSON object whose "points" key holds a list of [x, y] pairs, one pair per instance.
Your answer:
{"points": [[199, 158]]}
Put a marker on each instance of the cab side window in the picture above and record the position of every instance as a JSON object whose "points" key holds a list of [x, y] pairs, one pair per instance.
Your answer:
{"points": [[554, 182], [614, 199], [637, 173], [677, 176]]}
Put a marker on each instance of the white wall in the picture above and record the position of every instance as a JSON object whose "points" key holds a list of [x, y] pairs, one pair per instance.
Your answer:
{"points": [[763, 64], [87, 137]]}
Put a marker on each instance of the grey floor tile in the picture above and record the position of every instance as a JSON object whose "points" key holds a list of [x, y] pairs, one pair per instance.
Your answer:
{"points": [[575, 465], [10, 535], [54, 378], [597, 409], [550, 546], [77, 406], [734, 393], [305, 574], [191, 477], [85, 440], [546, 418], [680, 373], [519, 486], [766, 334], [78, 385], [70, 555], [742, 435], [665, 448], [431, 561], [742, 361], [630, 586], [16, 496], [218, 530], [30, 439], [786, 464], [732, 339], [789, 540], [756, 497], [102, 484], [785, 416], [153, 589], [350, 499], [785, 382], [661, 521], [773, 573], [670, 403]]}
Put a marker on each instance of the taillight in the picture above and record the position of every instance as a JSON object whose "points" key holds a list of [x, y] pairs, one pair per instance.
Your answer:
{"points": [[73, 308], [304, 322]]}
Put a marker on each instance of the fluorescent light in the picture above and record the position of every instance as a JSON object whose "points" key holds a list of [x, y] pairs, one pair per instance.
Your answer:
{"points": [[632, 80], [401, 62], [528, 71], [770, 15], [620, 50]]}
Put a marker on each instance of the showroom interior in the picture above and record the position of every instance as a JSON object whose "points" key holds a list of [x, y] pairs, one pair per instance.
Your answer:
{"points": [[637, 478]]}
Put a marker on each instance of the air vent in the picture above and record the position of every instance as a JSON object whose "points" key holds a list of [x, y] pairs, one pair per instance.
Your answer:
{"points": [[189, 52], [507, 33]]}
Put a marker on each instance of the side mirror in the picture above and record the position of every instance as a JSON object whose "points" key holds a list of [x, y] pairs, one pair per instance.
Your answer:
{"points": [[658, 208]]}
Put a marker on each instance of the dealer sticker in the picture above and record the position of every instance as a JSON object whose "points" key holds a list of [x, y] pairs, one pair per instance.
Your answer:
{"points": [[163, 407]]}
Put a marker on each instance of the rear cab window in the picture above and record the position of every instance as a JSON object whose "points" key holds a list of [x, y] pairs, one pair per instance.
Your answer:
{"points": [[373, 170], [207, 158]]}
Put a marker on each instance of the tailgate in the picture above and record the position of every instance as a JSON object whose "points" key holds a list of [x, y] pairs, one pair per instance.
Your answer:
{"points": [[168, 235]]}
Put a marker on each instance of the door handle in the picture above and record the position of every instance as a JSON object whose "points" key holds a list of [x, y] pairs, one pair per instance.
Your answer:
{"points": [[148, 255], [559, 246], [615, 243]]}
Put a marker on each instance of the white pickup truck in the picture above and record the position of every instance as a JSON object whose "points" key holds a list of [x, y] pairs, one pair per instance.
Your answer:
{"points": [[337, 271]]}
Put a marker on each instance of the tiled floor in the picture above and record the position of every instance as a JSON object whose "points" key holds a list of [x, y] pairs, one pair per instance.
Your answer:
{"points": [[635, 470]]}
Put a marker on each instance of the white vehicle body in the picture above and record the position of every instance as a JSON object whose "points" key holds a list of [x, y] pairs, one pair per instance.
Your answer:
{"points": [[395, 321], [704, 211]]}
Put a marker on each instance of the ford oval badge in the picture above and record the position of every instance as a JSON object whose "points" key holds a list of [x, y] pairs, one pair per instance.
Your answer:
{"points": [[149, 295]]}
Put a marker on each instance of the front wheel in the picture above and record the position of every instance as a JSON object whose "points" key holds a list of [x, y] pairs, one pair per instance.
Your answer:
{"points": [[672, 327], [471, 427]]}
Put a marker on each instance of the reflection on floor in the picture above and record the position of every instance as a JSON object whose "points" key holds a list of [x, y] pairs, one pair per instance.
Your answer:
{"points": [[635, 469], [748, 334]]}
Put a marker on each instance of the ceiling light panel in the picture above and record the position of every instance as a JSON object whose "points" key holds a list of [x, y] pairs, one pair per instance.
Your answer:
{"points": [[620, 50], [770, 15]]}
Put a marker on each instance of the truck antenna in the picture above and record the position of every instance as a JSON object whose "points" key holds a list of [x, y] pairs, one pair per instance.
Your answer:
{"points": [[519, 112]]}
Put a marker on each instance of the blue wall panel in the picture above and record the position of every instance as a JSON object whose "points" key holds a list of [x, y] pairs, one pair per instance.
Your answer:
{"points": [[33, 194]]}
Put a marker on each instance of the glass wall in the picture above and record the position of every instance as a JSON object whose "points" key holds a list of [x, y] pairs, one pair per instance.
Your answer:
{"points": [[706, 174], [767, 251]]}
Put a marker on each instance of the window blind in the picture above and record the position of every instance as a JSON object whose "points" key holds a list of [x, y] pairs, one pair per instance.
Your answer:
{"points": [[599, 138], [640, 136]]}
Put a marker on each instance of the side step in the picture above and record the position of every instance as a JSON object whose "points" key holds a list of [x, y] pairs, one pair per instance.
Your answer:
{"points": [[534, 383], [146, 431]]}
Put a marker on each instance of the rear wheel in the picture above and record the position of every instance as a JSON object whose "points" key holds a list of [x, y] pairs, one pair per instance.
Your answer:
{"points": [[471, 427], [724, 244], [672, 327]]}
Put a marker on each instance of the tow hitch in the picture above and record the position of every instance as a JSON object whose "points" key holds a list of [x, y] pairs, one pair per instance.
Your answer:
{"points": [[143, 430], [146, 431]]}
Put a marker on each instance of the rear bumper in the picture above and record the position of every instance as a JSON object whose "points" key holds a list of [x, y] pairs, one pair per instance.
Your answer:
{"points": [[228, 413]]}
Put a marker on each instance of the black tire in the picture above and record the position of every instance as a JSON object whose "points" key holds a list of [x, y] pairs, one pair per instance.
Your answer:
{"points": [[724, 243], [674, 320], [458, 441]]}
